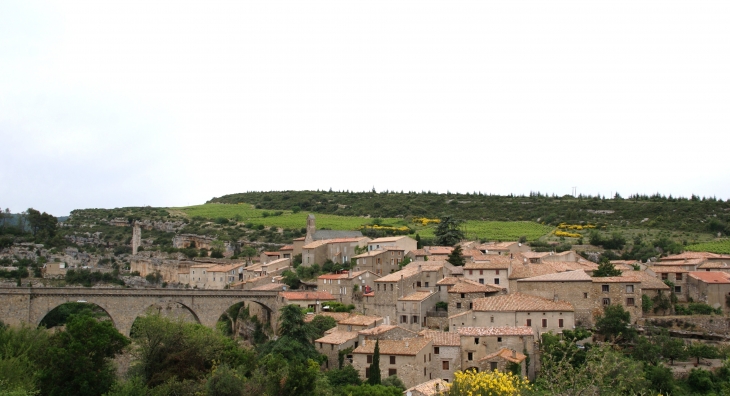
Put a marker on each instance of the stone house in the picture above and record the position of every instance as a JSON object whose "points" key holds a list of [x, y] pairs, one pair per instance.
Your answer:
{"points": [[306, 300], [287, 251], [446, 353], [503, 248], [411, 309], [676, 274], [333, 343], [297, 246], [392, 287], [222, 276], [650, 285], [623, 290], [462, 294], [359, 322], [444, 285], [408, 359], [493, 271], [378, 261], [528, 270], [339, 250], [199, 275], [54, 269], [478, 343], [434, 387], [502, 359], [342, 285], [386, 332], [712, 288], [430, 253], [269, 256], [402, 243], [517, 309], [575, 287]]}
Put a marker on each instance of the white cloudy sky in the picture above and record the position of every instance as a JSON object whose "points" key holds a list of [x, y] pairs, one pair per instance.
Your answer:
{"points": [[108, 104]]}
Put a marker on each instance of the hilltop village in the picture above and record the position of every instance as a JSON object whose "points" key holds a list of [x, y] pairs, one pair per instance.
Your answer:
{"points": [[430, 311]]}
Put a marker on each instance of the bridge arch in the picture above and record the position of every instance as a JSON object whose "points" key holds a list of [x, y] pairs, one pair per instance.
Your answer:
{"points": [[50, 308]]}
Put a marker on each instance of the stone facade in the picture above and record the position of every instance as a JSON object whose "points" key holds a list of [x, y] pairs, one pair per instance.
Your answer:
{"points": [[712, 288], [409, 359], [479, 342]]}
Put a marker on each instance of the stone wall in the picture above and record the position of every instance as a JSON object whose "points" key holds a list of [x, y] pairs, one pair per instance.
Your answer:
{"points": [[707, 324]]}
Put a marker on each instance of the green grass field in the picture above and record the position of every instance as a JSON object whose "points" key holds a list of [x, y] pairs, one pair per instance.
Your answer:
{"points": [[721, 247], [489, 230]]}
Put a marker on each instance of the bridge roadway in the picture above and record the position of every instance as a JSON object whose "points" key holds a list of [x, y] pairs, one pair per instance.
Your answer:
{"points": [[31, 304]]}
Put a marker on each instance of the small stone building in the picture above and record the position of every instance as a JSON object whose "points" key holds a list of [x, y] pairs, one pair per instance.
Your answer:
{"points": [[446, 353], [462, 294], [333, 343], [306, 299], [502, 360], [408, 359], [712, 288], [480, 342]]}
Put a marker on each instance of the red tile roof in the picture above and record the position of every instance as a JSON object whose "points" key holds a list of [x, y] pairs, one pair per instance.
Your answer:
{"points": [[496, 331], [519, 302], [441, 338], [711, 276], [408, 346]]}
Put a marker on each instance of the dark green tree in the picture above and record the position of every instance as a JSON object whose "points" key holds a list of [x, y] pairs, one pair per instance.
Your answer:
{"points": [[374, 378], [456, 257], [448, 232], [605, 268], [646, 350], [700, 350], [77, 362], [320, 324], [614, 324], [672, 348]]}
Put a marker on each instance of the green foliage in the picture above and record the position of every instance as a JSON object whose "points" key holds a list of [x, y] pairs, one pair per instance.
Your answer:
{"points": [[456, 257], [77, 361], [721, 246], [394, 381], [225, 382], [614, 324], [646, 303], [154, 277], [19, 351], [60, 315], [374, 378], [290, 279], [448, 231], [660, 378], [88, 278], [696, 309], [700, 350], [335, 306], [370, 390], [606, 269], [347, 375], [442, 305], [320, 324]]}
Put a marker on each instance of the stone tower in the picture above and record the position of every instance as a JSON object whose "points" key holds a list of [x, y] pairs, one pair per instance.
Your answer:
{"points": [[311, 229], [136, 237]]}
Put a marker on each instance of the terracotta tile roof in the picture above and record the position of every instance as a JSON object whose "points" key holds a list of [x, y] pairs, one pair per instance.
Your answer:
{"points": [[396, 276], [441, 338], [470, 286], [419, 252], [334, 276], [307, 295], [224, 268], [383, 328], [434, 387], [360, 320], [457, 315], [438, 250], [416, 296], [530, 270], [346, 240], [530, 255], [627, 262], [203, 265], [506, 354], [519, 302], [667, 269], [496, 331], [337, 316], [316, 244], [696, 261], [394, 248], [407, 347], [617, 279], [471, 252], [714, 264], [568, 276], [275, 262], [448, 281], [338, 337], [690, 255], [648, 282], [492, 262], [496, 245], [711, 276], [387, 239], [299, 239], [371, 253], [271, 286]]}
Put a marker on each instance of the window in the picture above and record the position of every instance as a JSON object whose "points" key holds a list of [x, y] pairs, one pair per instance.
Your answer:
{"points": [[471, 272], [392, 372], [418, 284], [499, 339], [492, 366], [392, 360], [678, 276], [491, 319], [560, 323], [470, 356], [378, 286], [630, 302], [391, 287], [463, 295], [481, 280], [426, 284], [629, 288], [458, 305], [496, 281], [476, 340], [404, 319], [471, 305], [332, 347], [606, 301], [496, 272], [424, 371], [585, 295], [370, 359], [367, 372], [677, 289], [665, 276], [544, 323], [445, 365], [435, 350], [604, 288], [529, 322], [415, 319]]}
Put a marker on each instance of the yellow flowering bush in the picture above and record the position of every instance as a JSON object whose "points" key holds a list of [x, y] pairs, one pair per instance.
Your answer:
{"points": [[567, 234], [425, 221], [579, 227], [379, 227], [487, 383]]}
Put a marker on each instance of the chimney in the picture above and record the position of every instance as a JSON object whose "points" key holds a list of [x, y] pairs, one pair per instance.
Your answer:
{"points": [[514, 354], [406, 344]]}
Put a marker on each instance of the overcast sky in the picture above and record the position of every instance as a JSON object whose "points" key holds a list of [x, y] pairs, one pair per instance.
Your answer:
{"points": [[129, 103]]}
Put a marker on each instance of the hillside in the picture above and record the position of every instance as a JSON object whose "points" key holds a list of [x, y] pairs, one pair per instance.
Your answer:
{"points": [[697, 215]]}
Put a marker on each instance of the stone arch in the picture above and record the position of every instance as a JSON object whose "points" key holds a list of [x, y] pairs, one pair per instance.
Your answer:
{"points": [[184, 305], [45, 312]]}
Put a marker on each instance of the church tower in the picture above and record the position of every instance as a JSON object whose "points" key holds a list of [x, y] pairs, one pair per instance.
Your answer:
{"points": [[311, 229]]}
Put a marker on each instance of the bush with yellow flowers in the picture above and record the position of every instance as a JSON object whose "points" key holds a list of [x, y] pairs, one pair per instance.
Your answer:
{"points": [[567, 234], [488, 383], [425, 221]]}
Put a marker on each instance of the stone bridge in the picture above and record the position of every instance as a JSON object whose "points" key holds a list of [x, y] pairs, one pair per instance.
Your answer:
{"points": [[31, 305]]}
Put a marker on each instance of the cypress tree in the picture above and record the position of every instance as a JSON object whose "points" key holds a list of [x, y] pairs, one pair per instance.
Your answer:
{"points": [[374, 378]]}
